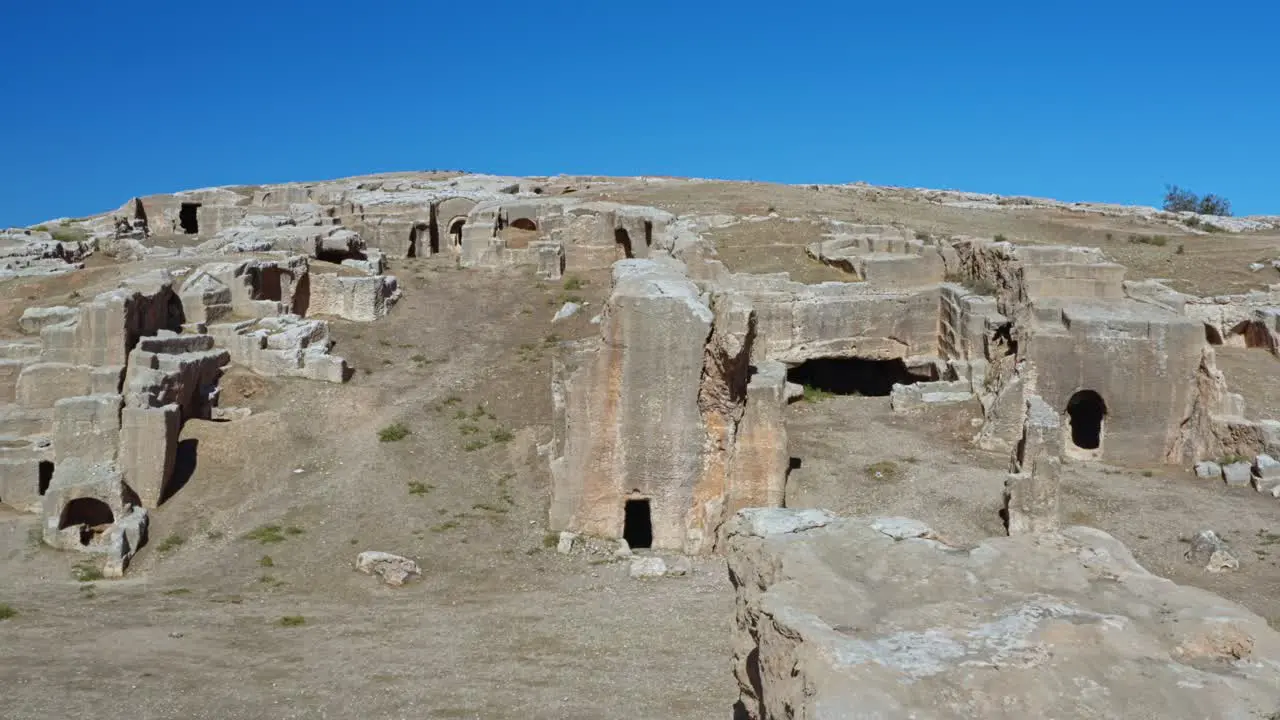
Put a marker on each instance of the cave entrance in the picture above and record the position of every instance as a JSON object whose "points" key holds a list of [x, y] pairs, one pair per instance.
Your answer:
{"points": [[622, 241], [1086, 412], [524, 224], [189, 218], [44, 476], [455, 230], [637, 525], [852, 376], [92, 515]]}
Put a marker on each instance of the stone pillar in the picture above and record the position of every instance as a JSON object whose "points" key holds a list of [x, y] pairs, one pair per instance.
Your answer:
{"points": [[1031, 490]]}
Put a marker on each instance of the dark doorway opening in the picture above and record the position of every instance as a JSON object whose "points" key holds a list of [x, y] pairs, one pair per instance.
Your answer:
{"points": [[415, 237], [270, 284], [455, 230], [1211, 335], [189, 218], [637, 527], [524, 224], [1086, 410], [92, 515], [302, 295], [648, 233], [45, 476], [622, 240], [852, 376]]}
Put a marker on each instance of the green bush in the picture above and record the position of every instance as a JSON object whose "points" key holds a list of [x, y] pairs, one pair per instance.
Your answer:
{"points": [[393, 432], [1178, 199], [7, 611]]}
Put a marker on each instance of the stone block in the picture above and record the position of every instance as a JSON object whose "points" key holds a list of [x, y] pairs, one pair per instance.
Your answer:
{"points": [[87, 427], [1266, 473], [1238, 474], [43, 384], [148, 449], [1209, 469]]}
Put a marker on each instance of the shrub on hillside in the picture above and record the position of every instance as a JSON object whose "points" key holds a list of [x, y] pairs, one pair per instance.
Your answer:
{"points": [[1178, 199]]}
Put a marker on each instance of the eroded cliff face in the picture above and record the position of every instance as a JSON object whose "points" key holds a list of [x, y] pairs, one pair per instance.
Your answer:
{"points": [[867, 617], [656, 410]]}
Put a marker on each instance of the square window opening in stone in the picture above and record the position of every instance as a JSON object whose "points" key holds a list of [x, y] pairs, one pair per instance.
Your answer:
{"points": [[189, 219]]}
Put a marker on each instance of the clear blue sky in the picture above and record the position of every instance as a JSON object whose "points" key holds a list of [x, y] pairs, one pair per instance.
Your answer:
{"points": [[1078, 101]]}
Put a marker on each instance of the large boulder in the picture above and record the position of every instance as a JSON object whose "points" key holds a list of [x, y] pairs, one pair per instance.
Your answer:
{"points": [[393, 569], [884, 619]]}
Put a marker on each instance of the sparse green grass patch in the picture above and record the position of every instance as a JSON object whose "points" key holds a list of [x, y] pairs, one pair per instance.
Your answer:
{"points": [[573, 282], [292, 621], [173, 542], [883, 471], [7, 611], [550, 540], [175, 592], [468, 429], [87, 572], [266, 561], [816, 394], [417, 487], [266, 534], [444, 526], [474, 445], [393, 433], [501, 435]]}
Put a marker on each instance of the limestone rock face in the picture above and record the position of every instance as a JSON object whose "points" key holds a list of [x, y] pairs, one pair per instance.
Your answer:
{"points": [[393, 569], [851, 620]]}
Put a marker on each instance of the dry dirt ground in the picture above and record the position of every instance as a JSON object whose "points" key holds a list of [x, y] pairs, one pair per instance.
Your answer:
{"points": [[276, 506]]}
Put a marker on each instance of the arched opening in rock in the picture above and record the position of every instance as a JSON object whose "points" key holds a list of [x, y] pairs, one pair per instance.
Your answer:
{"points": [[648, 233], [92, 515], [1211, 335], [1086, 412], [175, 316], [44, 476], [189, 218], [455, 230], [637, 525], [852, 376], [622, 241], [524, 224]]}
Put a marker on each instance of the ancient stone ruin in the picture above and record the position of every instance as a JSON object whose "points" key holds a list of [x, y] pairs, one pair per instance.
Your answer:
{"points": [[669, 432], [1067, 361], [95, 400]]}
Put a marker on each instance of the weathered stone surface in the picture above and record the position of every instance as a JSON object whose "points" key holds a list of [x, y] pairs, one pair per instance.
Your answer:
{"points": [[1211, 552], [393, 569], [566, 311], [647, 567], [34, 319], [1237, 474], [845, 621], [567, 542], [1209, 469], [1031, 490], [655, 318], [1266, 473]]}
